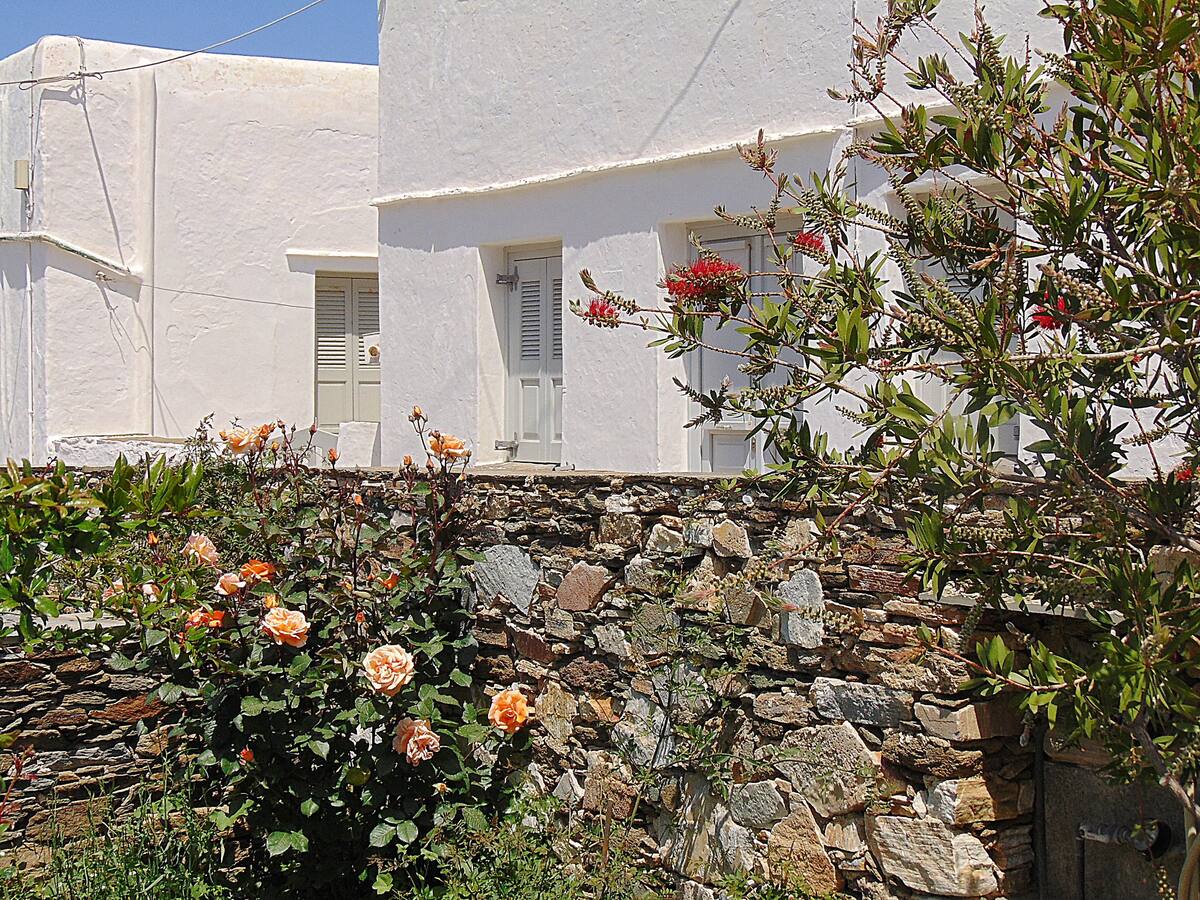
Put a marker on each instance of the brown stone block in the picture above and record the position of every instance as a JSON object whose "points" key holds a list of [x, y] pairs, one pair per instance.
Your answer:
{"points": [[883, 581], [20, 672], [130, 710]]}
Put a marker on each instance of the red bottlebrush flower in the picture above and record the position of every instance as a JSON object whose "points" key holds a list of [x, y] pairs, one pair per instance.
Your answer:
{"points": [[1184, 473], [1043, 318], [810, 242], [708, 279], [601, 312]]}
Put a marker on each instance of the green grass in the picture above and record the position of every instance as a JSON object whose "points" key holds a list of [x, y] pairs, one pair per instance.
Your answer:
{"points": [[162, 851]]}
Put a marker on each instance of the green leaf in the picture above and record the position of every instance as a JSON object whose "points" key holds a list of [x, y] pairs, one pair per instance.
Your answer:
{"points": [[280, 842], [382, 834], [383, 883], [252, 706]]}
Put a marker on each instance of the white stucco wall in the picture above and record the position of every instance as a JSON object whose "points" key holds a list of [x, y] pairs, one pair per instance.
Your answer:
{"points": [[605, 128], [199, 177]]}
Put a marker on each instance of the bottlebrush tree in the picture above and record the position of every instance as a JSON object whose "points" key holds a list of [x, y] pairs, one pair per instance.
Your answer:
{"points": [[1050, 276]]}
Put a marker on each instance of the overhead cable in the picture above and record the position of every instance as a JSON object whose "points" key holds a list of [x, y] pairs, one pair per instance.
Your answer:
{"points": [[81, 73]]}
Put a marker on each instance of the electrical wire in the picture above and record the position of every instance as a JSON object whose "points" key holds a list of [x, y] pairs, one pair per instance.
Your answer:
{"points": [[29, 83]]}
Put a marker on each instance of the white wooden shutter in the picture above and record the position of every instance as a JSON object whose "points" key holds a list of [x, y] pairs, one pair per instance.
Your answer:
{"points": [[334, 394], [366, 367], [536, 359], [347, 376]]}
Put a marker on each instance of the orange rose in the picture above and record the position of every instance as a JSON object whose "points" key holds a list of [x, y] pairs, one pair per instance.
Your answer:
{"points": [[229, 584], [509, 711], [390, 581], [241, 440], [440, 788], [152, 539], [256, 570], [286, 626], [271, 601], [389, 668], [247, 755], [264, 431], [201, 550], [416, 740], [447, 446], [407, 461], [332, 455], [203, 618]]}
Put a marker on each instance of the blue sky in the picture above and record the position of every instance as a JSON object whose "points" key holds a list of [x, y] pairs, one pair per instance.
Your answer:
{"points": [[340, 30]]}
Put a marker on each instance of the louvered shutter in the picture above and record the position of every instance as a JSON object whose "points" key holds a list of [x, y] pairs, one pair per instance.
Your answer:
{"points": [[334, 394], [366, 334], [536, 359]]}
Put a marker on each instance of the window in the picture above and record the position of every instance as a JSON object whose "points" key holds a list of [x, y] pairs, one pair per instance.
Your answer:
{"points": [[729, 446], [535, 356], [347, 351]]}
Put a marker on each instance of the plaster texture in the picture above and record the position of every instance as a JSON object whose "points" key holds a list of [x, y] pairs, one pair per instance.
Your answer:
{"points": [[211, 190], [609, 156]]}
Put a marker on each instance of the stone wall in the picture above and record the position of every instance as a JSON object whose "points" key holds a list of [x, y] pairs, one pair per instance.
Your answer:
{"points": [[94, 732], [840, 755], [800, 734]]}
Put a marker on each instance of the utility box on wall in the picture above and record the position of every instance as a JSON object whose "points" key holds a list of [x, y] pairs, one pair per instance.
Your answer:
{"points": [[1078, 796]]}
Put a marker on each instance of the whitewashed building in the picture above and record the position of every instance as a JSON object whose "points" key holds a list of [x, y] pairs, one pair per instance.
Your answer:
{"points": [[521, 145], [179, 240]]}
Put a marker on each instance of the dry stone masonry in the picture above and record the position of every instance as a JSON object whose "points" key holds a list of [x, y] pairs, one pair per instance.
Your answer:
{"points": [[839, 756], [800, 734]]}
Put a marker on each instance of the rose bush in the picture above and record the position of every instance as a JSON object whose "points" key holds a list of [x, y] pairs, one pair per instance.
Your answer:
{"points": [[316, 644]]}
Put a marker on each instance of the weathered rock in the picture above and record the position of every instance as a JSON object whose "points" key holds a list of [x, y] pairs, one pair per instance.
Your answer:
{"points": [[973, 722], [622, 529], [864, 704], [568, 789], [743, 605], [790, 709], [927, 856], [556, 711], [799, 535], [756, 805], [154, 743], [883, 581], [506, 572], [730, 539], [642, 574], [830, 766], [611, 639], [530, 645], [962, 801], [583, 587], [20, 672], [642, 734], [795, 853], [846, 834], [698, 533], [802, 603], [67, 821], [588, 674], [654, 629], [930, 754], [664, 541], [560, 624], [130, 710]]}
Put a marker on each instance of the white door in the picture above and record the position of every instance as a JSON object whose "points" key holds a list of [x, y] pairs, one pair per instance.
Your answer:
{"points": [[347, 372], [728, 446], [535, 358]]}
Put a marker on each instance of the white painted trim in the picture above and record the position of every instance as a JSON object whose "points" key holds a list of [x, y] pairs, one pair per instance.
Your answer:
{"points": [[868, 119], [43, 237], [322, 261], [597, 169]]}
